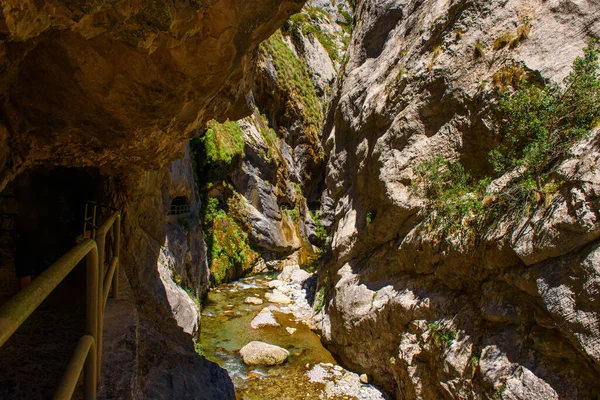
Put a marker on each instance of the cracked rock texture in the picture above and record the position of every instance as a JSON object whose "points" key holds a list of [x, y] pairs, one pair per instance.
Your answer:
{"points": [[123, 86], [427, 317]]}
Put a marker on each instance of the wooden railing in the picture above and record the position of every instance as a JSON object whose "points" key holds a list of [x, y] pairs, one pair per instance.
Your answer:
{"points": [[88, 353]]}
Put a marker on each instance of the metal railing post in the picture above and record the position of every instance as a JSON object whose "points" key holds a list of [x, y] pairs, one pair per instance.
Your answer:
{"points": [[84, 358], [117, 254], [93, 323], [88, 354], [101, 242]]}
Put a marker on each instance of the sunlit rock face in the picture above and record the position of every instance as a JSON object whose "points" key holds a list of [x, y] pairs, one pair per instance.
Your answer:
{"points": [[514, 314], [122, 84]]}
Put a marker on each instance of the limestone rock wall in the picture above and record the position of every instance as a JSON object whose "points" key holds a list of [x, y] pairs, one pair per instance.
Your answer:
{"points": [[280, 174], [123, 86], [429, 317]]}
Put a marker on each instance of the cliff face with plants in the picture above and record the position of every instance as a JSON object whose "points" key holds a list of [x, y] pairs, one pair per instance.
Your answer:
{"points": [[462, 148], [262, 176], [122, 87]]}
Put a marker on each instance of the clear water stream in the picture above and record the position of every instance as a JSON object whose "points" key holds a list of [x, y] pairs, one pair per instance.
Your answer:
{"points": [[226, 329]]}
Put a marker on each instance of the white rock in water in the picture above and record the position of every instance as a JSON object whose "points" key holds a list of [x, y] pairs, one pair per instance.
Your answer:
{"points": [[276, 284], [286, 274], [284, 289], [265, 318], [253, 300], [290, 330], [278, 297], [260, 353]]}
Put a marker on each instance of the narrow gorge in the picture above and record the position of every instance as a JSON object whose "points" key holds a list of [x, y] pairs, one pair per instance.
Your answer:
{"points": [[322, 199]]}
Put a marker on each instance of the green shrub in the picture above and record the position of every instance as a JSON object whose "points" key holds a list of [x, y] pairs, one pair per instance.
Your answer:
{"points": [[320, 300], [223, 141], [369, 217], [320, 230], [539, 124], [294, 75], [537, 127], [456, 199], [441, 335], [228, 248]]}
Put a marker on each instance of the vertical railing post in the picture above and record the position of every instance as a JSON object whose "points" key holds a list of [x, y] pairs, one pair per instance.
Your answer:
{"points": [[92, 323], [93, 235], [117, 254], [85, 219], [101, 242], [109, 245]]}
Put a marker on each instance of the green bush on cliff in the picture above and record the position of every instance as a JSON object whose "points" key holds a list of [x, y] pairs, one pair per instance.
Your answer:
{"points": [[223, 142], [229, 251], [539, 124], [293, 75], [320, 230], [456, 199], [307, 23], [537, 127]]}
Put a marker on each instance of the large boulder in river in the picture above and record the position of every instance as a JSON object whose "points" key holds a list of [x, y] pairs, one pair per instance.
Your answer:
{"points": [[253, 300], [260, 353]]}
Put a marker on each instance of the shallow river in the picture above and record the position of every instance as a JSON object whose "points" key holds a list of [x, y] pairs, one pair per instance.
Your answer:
{"points": [[226, 329]]}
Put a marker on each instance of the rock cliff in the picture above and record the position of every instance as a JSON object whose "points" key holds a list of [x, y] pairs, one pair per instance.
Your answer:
{"points": [[267, 170], [512, 312], [122, 87]]}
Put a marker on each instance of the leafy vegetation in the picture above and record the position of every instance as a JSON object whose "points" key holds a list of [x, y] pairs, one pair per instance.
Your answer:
{"points": [[456, 199], [215, 151], [348, 23], [226, 239], [223, 141], [294, 76], [369, 217], [441, 335], [538, 124], [320, 230], [497, 395], [320, 300]]}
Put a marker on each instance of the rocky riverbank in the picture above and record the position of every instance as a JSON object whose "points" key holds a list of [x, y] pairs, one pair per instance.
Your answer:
{"points": [[271, 313]]}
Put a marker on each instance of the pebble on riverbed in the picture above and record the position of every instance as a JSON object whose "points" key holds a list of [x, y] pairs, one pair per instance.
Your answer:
{"points": [[253, 300]]}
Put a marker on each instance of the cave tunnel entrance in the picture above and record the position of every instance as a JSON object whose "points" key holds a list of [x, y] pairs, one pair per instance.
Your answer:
{"points": [[42, 213], [179, 206]]}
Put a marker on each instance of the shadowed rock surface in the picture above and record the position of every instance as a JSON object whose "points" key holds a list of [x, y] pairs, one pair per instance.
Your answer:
{"points": [[514, 315], [123, 86]]}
